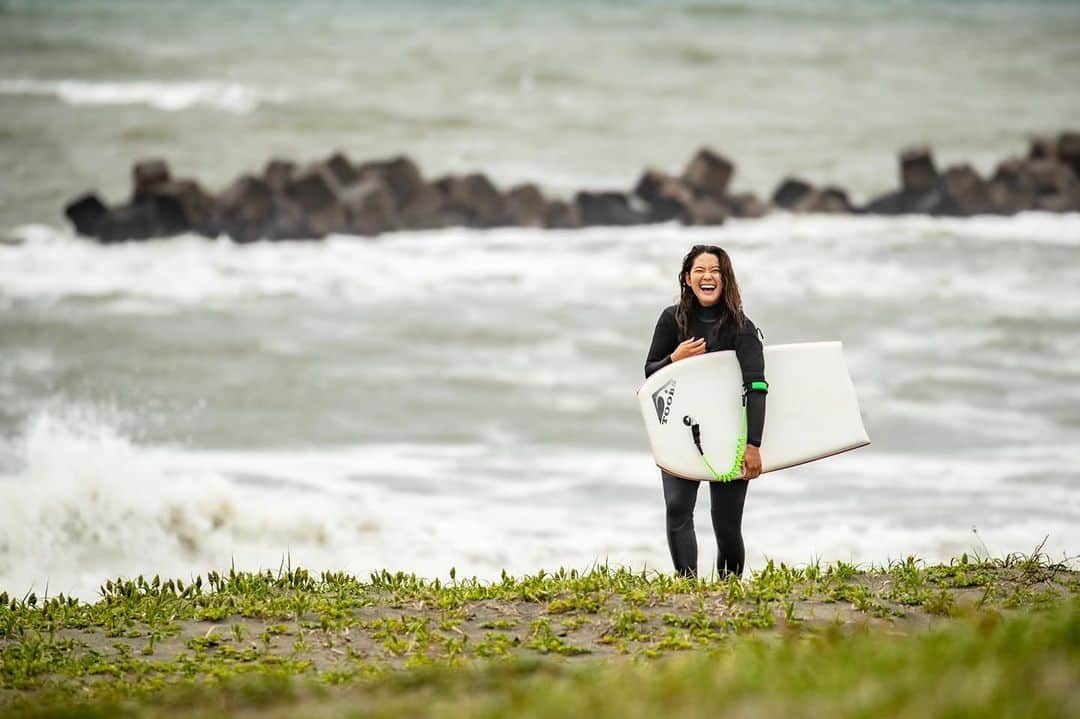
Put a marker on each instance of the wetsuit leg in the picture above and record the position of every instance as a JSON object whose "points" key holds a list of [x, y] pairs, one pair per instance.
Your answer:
{"points": [[727, 499], [680, 496]]}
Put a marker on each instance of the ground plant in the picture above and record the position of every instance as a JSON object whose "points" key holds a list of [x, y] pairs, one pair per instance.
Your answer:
{"points": [[903, 639]]}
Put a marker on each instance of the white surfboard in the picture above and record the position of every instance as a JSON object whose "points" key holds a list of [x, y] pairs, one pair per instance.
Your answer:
{"points": [[811, 411]]}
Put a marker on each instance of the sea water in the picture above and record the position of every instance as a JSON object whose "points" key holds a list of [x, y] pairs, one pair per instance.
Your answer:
{"points": [[465, 398]]}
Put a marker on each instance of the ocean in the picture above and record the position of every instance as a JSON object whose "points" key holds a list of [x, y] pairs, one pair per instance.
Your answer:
{"points": [[465, 398]]}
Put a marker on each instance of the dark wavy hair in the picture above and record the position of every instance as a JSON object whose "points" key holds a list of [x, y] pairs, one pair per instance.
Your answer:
{"points": [[729, 292]]}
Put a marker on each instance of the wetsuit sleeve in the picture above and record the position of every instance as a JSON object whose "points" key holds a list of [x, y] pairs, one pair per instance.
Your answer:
{"points": [[752, 363], [664, 341]]}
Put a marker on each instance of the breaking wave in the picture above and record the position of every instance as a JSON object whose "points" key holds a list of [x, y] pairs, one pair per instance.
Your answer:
{"points": [[168, 96]]}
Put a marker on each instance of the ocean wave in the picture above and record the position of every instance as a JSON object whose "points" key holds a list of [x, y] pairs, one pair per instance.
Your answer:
{"points": [[86, 502], [169, 96], [946, 266]]}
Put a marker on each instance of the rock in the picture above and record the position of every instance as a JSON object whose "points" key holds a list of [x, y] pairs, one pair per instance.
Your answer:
{"points": [[1042, 148], [1005, 201], [1050, 176], [1010, 188], [1008, 171], [1063, 202], [86, 212], [649, 185], [473, 195], [147, 173], [790, 192], [902, 203], [965, 193], [668, 198], [1068, 150], [524, 206], [136, 221], [418, 203], [288, 221], [926, 203], [917, 171], [342, 170], [563, 215], [401, 176], [705, 210], [246, 209], [316, 191], [370, 207], [607, 208], [829, 200], [425, 210], [709, 174], [452, 217], [748, 205], [797, 195], [892, 203], [161, 207], [1057, 188], [833, 200], [278, 173], [249, 199], [329, 220], [313, 188], [1030, 184], [336, 196], [182, 206]]}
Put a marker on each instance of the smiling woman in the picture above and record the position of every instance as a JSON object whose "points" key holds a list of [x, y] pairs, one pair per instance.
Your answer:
{"points": [[709, 318]]}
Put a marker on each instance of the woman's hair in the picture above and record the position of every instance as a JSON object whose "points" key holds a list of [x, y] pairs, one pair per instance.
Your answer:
{"points": [[729, 292]]}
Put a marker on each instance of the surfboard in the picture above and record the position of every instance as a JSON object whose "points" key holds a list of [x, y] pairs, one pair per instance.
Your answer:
{"points": [[811, 412]]}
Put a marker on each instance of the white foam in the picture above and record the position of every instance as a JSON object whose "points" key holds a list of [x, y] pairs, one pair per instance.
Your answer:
{"points": [[168, 96], [1026, 227], [88, 504], [517, 311], [901, 262]]}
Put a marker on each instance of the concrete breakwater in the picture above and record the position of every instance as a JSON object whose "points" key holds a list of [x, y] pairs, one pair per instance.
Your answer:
{"points": [[336, 195]]}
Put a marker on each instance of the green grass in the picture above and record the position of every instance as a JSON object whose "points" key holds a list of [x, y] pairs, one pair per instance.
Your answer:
{"points": [[904, 639]]}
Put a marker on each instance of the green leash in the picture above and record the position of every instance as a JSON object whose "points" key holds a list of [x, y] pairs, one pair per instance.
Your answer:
{"points": [[740, 449]]}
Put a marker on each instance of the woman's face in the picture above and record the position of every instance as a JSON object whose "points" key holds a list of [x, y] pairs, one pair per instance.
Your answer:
{"points": [[704, 279]]}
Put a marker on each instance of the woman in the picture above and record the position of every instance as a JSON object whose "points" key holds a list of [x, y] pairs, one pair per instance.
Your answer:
{"points": [[709, 318]]}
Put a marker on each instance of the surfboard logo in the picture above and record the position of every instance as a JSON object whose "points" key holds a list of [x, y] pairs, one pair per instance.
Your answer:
{"points": [[662, 400]]}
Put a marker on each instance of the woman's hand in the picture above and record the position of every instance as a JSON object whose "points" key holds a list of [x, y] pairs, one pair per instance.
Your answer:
{"points": [[751, 462], [689, 348]]}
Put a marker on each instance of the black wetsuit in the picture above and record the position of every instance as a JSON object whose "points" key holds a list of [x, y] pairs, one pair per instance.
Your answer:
{"points": [[727, 498]]}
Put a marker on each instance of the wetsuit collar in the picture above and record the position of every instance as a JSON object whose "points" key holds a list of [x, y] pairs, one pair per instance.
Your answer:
{"points": [[711, 313]]}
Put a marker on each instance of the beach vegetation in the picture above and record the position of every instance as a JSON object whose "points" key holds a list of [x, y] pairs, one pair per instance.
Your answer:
{"points": [[291, 636]]}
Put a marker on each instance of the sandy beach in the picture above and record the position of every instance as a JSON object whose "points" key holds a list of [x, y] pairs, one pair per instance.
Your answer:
{"points": [[293, 644]]}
